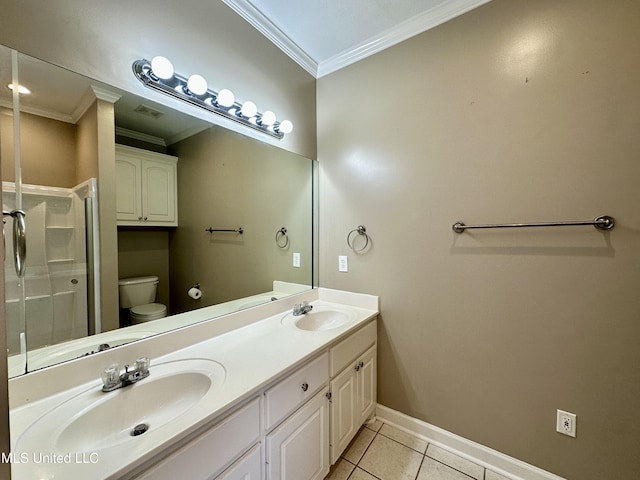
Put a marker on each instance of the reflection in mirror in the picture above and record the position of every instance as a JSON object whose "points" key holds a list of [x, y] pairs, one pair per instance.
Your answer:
{"points": [[223, 181]]}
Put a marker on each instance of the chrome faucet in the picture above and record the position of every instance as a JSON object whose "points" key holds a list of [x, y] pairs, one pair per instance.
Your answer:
{"points": [[301, 309], [112, 379]]}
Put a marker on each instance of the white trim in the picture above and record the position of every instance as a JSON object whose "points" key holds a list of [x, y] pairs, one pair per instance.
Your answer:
{"points": [[407, 29], [265, 26], [92, 94], [144, 137], [189, 132], [40, 112], [472, 451]]}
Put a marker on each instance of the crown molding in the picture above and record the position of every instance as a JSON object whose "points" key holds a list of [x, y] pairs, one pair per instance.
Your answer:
{"points": [[40, 112], [261, 23], [144, 137], [407, 29], [89, 97]]}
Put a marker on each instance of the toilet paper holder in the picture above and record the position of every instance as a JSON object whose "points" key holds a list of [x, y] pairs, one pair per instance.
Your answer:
{"points": [[197, 285]]}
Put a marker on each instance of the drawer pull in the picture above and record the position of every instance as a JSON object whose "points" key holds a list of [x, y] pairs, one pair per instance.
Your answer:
{"points": [[357, 367], [305, 387]]}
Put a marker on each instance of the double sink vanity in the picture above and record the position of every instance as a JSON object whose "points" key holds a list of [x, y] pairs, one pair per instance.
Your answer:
{"points": [[257, 394]]}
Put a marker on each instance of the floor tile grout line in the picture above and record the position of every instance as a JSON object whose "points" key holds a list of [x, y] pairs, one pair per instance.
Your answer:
{"points": [[366, 471], [420, 467], [393, 439], [454, 468], [424, 455]]}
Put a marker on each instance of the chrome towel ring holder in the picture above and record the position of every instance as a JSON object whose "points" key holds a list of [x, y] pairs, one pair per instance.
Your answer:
{"points": [[360, 230], [282, 239]]}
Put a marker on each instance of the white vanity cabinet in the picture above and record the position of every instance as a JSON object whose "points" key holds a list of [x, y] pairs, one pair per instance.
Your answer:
{"points": [[295, 429], [298, 449], [208, 454], [146, 188], [248, 467], [353, 386]]}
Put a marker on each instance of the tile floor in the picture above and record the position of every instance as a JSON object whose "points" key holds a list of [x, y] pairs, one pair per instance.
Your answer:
{"points": [[382, 452]]}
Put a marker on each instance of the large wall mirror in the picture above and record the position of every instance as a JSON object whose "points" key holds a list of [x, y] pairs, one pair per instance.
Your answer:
{"points": [[52, 144]]}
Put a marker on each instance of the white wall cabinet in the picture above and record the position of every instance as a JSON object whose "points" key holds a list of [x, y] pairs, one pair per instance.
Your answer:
{"points": [[146, 188]]}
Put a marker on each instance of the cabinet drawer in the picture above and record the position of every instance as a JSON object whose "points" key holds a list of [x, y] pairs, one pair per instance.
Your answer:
{"points": [[212, 451], [290, 393], [347, 351]]}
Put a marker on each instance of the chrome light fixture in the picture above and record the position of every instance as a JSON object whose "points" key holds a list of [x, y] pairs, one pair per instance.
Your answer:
{"points": [[158, 74]]}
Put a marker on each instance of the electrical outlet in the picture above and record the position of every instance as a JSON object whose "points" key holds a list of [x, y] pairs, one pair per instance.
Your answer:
{"points": [[566, 423], [343, 263], [296, 260]]}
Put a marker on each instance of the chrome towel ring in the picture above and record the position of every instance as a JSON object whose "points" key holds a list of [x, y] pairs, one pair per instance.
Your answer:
{"points": [[360, 230], [282, 239]]}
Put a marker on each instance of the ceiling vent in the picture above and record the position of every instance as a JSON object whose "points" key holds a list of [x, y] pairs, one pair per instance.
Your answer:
{"points": [[148, 111]]}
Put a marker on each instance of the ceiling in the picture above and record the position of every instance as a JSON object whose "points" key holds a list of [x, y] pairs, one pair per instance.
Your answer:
{"points": [[326, 35]]}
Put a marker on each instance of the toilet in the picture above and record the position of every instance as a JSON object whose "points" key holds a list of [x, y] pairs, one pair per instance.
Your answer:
{"points": [[138, 295]]}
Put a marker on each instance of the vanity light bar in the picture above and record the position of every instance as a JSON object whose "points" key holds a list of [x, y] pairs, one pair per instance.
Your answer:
{"points": [[159, 75]]}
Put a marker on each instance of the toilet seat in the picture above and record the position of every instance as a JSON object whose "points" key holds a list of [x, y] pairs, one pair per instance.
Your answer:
{"points": [[145, 313]]}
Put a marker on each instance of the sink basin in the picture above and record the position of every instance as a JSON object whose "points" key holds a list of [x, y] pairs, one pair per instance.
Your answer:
{"points": [[95, 420], [321, 318]]}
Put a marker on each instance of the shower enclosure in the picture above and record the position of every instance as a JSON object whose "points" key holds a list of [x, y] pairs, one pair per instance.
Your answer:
{"points": [[56, 293]]}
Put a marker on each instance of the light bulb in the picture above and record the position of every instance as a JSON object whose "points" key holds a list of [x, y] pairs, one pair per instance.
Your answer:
{"points": [[268, 118], [21, 89], [285, 126], [225, 98], [162, 68], [197, 84], [249, 109]]}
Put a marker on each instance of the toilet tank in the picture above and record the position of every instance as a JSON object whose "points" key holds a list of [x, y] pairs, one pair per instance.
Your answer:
{"points": [[137, 291]]}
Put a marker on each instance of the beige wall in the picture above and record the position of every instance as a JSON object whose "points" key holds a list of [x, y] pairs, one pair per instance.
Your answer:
{"points": [[226, 181], [87, 125], [516, 111], [48, 154]]}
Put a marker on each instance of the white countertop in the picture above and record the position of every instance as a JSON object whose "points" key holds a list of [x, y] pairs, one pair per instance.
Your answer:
{"points": [[253, 356]]}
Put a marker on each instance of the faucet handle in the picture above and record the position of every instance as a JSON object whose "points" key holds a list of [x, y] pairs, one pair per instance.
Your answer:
{"points": [[111, 376], [142, 365]]}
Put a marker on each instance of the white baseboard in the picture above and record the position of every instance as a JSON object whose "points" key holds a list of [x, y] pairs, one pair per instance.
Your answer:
{"points": [[476, 453]]}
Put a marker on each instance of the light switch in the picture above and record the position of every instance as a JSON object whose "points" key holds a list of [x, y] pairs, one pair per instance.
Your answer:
{"points": [[343, 263], [296, 260]]}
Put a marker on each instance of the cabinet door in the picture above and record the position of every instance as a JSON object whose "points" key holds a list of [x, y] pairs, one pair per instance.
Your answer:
{"points": [[299, 448], [248, 467], [128, 196], [366, 385], [344, 424], [159, 192]]}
